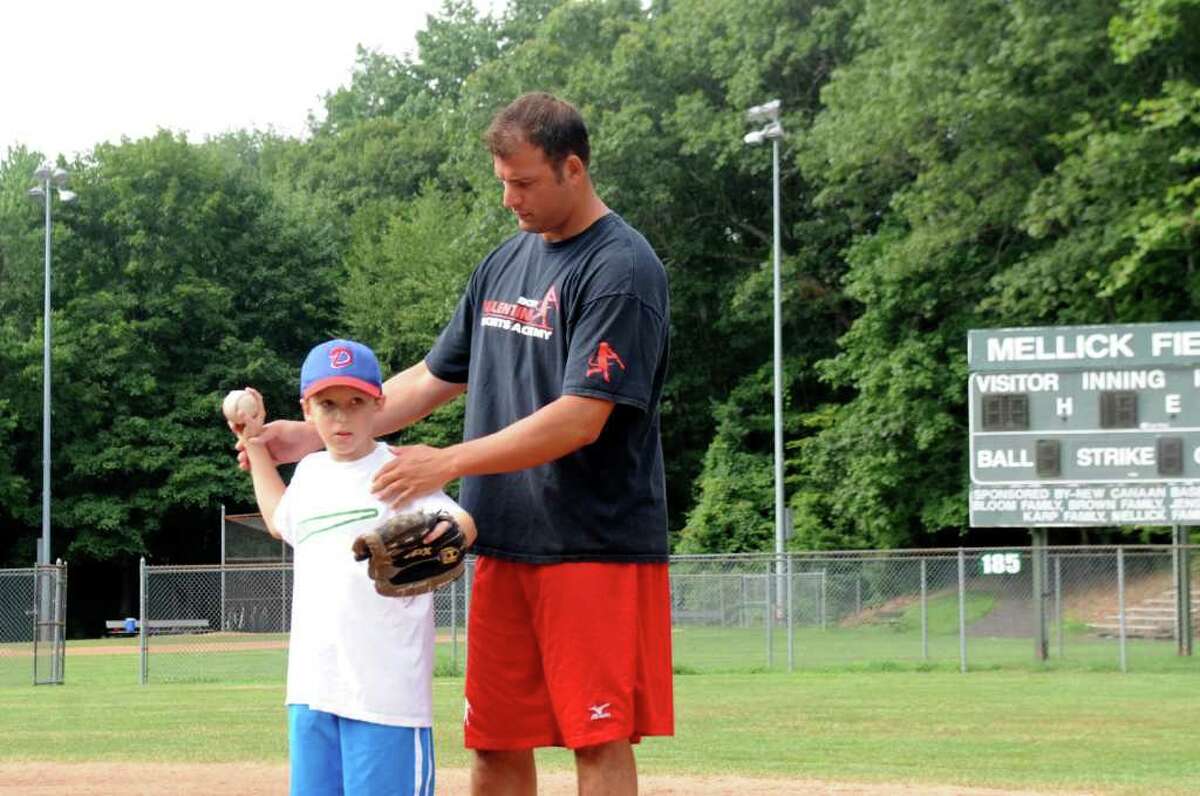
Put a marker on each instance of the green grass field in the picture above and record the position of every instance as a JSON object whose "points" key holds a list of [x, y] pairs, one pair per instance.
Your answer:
{"points": [[697, 650], [1070, 728]]}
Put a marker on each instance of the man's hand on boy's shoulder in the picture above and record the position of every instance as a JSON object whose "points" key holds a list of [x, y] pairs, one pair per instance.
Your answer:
{"points": [[413, 470], [286, 440]]}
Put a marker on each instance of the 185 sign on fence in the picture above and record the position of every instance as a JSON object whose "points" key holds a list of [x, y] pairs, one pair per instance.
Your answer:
{"points": [[1000, 563]]}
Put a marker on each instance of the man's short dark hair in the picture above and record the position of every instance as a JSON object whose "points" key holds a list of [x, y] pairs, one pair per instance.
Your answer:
{"points": [[552, 125]]}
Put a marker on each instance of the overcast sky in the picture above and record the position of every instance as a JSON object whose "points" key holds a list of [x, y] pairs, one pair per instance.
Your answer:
{"points": [[74, 73]]}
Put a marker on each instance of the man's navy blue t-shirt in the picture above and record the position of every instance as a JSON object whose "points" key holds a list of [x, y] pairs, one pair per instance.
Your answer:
{"points": [[585, 316]]}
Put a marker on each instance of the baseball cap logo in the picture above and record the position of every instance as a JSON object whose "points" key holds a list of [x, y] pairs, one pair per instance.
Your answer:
{"points": [[340, 357]]}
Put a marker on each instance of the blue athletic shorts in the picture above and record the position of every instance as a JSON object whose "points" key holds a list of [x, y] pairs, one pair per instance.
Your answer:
{"points": [[331, 756]]}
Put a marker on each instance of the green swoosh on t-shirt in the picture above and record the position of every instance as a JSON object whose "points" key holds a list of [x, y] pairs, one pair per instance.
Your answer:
{"points": [[311, 526]]}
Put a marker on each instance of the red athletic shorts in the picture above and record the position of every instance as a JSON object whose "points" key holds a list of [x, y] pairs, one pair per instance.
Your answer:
{"points": [[572, 654]]}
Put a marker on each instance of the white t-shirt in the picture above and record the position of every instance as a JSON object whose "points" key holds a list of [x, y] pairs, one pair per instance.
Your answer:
{"points": [[352, 652]]}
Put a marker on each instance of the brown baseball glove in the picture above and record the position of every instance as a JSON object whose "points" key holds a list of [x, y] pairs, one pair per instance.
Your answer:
{"points": [[401, 563]]}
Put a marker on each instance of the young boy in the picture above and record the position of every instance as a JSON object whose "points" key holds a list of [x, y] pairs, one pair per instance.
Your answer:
{"points": [[360, 666]]}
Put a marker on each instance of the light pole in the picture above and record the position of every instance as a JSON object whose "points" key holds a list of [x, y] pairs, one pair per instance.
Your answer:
{"points": [[52, 180], [767, 115]]}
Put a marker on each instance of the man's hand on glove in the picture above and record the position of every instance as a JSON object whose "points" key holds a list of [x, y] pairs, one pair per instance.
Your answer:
{"points": [[402, 563]]}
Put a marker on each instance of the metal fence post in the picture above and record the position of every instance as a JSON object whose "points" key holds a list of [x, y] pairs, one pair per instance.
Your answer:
{"points": [[1185, 561], [454, 626], [223, 619], [1183, 590], [924, 610], [743, 620], [767, 602], [824, 597], [143, 669], [1121, 604], [1058, 612], [35, 616], [1041, 647], [962, 610], [1177, 584], [59, 665], [283, 600], [48, 623], [791, 632]]}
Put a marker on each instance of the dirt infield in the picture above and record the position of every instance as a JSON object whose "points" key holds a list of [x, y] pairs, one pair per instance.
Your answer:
{"points": [[200, 643], [244, 779], [198, 648]]}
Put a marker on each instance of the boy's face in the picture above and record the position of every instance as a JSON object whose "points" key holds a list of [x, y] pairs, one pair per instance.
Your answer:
{"points": [[343, 417]]}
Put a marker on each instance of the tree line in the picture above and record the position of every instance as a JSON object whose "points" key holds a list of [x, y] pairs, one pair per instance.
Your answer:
{"points": [[947, 166]]}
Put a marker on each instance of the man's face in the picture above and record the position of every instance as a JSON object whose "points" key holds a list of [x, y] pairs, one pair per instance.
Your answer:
{"points": [[343, 417], [541, 198]]}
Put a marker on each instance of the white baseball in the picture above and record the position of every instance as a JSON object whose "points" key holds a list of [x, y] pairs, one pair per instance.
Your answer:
{"points": [[240, 406]]}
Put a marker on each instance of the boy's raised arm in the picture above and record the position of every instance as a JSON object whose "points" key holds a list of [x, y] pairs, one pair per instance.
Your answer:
{"points": [[268, 485], [245, 412]]}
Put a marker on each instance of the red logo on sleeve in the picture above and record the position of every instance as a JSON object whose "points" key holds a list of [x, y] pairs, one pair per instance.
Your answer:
{"points": [[603, 360]]}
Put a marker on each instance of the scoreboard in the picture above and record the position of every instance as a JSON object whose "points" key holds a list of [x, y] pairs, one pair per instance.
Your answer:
{"points": [[1085, 425]]}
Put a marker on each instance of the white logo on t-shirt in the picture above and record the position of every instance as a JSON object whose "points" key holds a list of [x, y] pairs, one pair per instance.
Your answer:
{"points": [[600, 711]]}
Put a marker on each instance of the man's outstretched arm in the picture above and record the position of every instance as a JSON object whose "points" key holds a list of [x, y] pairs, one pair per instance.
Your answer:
{"points": [[411, 395], [558, 428]]}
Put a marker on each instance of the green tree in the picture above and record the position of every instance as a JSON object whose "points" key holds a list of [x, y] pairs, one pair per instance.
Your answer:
{"points": [[1027, 163], [21, 294], [403, 285], [177, 278], [997, 168], [1116, 222], [705, 198]]}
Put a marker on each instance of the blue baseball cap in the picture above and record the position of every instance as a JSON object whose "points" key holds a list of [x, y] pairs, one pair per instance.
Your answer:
{"points": [[343, 362]]}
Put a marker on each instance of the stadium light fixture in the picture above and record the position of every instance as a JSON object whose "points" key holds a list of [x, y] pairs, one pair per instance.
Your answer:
{"points": [[767, 115], [767, 112], [53, 180]]}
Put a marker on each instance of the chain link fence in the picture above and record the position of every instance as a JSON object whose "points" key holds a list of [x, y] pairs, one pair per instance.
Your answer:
{"points": [[216, 623], [1093, 607], [231, 623], [1103, 607], [33, 609]]}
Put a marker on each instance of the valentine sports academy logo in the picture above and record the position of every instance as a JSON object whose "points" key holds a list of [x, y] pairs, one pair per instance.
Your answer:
{"points": [[525, 316]]}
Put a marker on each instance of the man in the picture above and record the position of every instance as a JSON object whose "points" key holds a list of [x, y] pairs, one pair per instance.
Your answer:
{"points": [[561, 337]]}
